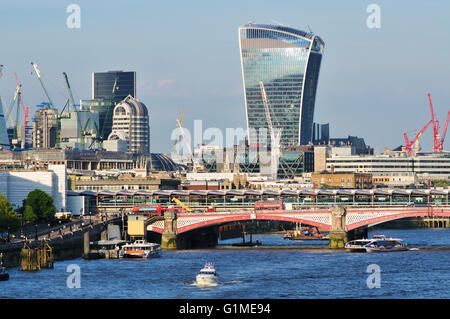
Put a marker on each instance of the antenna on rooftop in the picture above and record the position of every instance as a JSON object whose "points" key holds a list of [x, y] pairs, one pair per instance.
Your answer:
{"points": [[277, 22], [310, 31]]}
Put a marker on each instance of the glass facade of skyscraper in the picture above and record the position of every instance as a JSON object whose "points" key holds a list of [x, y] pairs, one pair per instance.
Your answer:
{"points": [[287, 62], [102, 85], [104, 100]]}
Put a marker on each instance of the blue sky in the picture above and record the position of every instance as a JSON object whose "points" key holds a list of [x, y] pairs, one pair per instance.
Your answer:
{"points": [[373, 82]]}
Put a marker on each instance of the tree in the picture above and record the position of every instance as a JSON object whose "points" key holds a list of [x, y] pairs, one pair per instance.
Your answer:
{"points": [[41, 205], [8, 217], [28, 215]]}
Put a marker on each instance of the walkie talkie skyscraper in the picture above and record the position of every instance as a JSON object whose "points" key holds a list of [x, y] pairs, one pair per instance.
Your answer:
{"points": [[287, 61]]}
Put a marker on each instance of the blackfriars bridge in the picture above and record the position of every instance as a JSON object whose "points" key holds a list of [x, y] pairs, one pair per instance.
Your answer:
{"points": [[343, 223]]}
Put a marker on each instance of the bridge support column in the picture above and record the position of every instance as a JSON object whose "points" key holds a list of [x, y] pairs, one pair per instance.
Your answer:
{"points": [[338, 231], [169, 235]]}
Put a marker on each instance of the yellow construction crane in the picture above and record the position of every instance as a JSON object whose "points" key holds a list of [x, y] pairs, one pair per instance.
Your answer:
{"points": [[176, 200]]}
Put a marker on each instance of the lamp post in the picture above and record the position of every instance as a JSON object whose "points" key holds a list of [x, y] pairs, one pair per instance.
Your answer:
{"points": [[36, 226]]}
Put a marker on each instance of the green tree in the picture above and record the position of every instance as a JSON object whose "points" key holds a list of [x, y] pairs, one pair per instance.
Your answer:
{"points": [[28, 215], [8, 217], [41, 205]]}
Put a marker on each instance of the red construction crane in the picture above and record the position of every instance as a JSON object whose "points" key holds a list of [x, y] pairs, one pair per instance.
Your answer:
{"points": [[442, 138], [435, 126], [438, 141], [409, 144]]}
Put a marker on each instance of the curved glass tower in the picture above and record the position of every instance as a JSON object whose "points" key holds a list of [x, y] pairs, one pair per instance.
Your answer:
{"points": [[287, 61]]}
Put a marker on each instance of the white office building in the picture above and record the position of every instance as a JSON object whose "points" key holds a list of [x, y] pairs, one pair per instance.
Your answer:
{"points": [[131, 123], [16, 185], [435, 166]]}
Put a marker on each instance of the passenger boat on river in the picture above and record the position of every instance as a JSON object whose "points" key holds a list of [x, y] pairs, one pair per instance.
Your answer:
{"points": [[140, 249], [378, 243]]}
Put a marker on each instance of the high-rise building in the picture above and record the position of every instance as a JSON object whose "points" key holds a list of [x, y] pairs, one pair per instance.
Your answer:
{"points": [[131, 123], [102, 85], [104, 100], [4, 141], [287, 62], [45, 128]]}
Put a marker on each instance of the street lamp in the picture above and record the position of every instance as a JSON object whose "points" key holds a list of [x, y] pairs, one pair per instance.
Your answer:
{"points": [[36, 226]]}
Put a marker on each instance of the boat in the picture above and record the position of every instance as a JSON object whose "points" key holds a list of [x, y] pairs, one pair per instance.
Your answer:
{"points": [[247, 244], [378, 243], [382, 244], [108, 249], [3, 273], [357, 245], [140, 249], [311, 233], [207, 276]]}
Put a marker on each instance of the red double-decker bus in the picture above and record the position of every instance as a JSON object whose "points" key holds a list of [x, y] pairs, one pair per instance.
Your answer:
{"points": [[147, 210], [269, 205]]}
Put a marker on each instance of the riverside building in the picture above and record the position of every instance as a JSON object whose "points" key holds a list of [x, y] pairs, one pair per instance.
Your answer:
{"points": [[434, 166], [287, 61]]}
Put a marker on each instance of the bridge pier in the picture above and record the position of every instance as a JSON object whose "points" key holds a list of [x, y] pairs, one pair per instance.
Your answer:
{"points": [[338, 232], [169, 235]]}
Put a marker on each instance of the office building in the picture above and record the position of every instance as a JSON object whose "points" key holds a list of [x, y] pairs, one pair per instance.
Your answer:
{"points": [[103, 100], [45, 128], [287, 62], [131, 123], [434, 166], [4, 141], [102, 85], [78, 129], [342, 180], [16, 184]]}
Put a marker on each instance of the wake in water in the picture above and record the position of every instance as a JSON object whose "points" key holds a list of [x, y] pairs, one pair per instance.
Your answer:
{"points": [[206, 285]]}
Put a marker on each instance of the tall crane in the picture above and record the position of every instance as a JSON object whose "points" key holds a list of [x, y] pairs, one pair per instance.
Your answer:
{"points": [[69, 90], [25, 110], [38, 74], [275, 139], [180, 120], [438, 141], [442, 138], [187, 143], [409, 144]]}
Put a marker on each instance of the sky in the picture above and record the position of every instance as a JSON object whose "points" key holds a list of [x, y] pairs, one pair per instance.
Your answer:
{"points": [[373, 82]]}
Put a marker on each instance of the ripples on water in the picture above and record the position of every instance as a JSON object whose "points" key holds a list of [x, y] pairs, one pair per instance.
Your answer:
{"points": [[276, 272]]}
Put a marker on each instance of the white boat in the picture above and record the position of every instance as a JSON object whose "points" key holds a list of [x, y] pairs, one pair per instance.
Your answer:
{"points": [[207, 276], [140, 249], [378, 243], [357, 245]]}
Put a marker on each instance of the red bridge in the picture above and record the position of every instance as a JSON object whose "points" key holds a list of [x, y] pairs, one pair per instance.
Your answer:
{"points": [[355, 217]]}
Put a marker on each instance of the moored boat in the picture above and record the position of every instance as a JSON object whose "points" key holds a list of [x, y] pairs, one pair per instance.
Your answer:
{"points": [[140, 249]]}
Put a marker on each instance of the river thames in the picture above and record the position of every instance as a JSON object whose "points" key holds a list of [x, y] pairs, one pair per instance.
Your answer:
{"points": [[279, 269]]}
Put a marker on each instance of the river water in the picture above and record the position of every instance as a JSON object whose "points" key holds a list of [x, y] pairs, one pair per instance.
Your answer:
{"points": [[279, 269]]}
